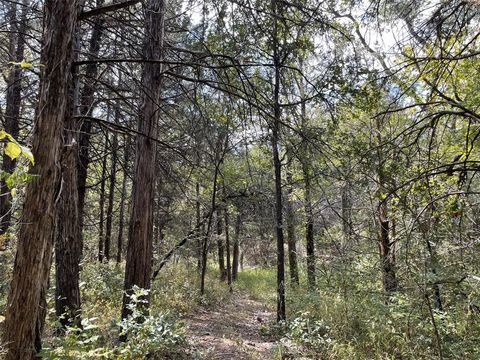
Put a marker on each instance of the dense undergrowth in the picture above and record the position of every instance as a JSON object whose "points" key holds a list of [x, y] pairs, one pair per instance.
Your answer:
{"points": [[158, 335], [336, 321]]}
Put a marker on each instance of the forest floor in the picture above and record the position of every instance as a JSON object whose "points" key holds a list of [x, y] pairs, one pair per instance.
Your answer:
{"points": [[232, 330]]}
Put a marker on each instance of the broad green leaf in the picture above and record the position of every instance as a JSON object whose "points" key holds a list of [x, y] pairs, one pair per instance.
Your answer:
{"points": [[13, 150]]}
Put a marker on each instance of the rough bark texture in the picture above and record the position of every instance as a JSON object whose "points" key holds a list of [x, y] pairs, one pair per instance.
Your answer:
{"points": [[68, 240], [13, 101], [68, 244], [111, 193], [140, 236], [36, 233]]}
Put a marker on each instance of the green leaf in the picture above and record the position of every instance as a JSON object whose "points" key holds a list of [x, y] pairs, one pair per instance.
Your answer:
{"points": [[13, 150]]}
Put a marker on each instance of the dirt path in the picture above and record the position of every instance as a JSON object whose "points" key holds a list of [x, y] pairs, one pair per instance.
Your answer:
{"points": [[231, 330]]}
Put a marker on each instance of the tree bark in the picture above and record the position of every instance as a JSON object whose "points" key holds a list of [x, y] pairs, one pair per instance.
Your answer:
{"points": [[68, 244], [13, 104], [278, 170], [36, 233], [309, 228], [206, 232], [101, 241], [387, 249], [111, 198], [387, 256], [140, 235], [227, 246]]}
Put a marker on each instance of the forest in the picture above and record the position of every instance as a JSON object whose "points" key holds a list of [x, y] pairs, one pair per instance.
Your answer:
{"points": [[240, 179]]}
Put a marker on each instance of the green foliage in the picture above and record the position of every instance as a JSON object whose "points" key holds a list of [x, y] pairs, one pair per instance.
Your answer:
{"points": [[259, 282], [146, 334]]}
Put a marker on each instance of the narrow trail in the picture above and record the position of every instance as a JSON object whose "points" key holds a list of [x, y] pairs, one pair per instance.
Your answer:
{"points": [[231, 330]]}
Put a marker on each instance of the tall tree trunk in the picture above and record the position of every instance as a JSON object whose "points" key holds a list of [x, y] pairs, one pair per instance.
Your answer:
{"points": [[111, 197], [68, 241], [291, 238], [227, 246], [86, 108], [306, 172], [140, 235], [387, 255], [68, 244], [36, 233], [236, 246], [101, 241], [278, 170], [221, 246], [206, 232], [309, 227], [121, 215], [13, 102]]}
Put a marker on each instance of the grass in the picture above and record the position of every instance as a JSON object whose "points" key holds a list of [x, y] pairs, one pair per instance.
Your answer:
{"points": [[260, 283]]}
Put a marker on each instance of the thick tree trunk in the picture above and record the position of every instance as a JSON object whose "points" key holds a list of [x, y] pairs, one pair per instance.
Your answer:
{"points": [[68, 239], [221, 246], [291, 237], [36, 233], [68, 244], [111, 198], [140, 235], [236, 247], [101, 204], [121, 215], [13, 103]]}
